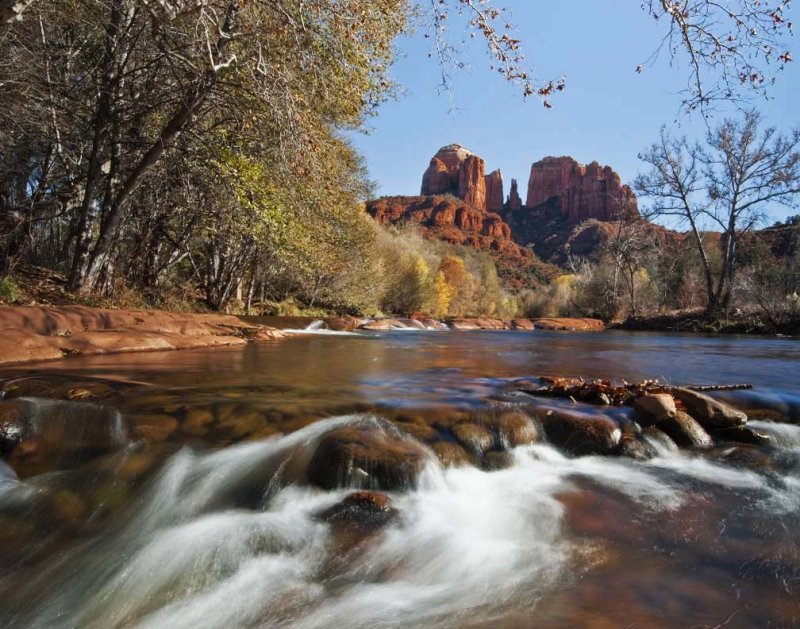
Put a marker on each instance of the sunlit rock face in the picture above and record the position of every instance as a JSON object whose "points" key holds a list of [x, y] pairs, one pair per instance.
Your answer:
{"points": [[580, 192], [458, 171]]}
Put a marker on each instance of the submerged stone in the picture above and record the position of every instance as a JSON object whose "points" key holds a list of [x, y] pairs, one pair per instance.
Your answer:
{"points": [[366, 509], [744, 434], [497, 460]]}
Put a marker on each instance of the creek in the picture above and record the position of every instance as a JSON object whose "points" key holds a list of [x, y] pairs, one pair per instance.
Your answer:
{"points": [[171, 489]]}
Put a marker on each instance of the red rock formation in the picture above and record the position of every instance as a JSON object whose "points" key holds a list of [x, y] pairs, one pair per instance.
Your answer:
{"points": [[456, 170], [460, 223], [514, 200], [580, 192], [494, 191], [472, 182]]}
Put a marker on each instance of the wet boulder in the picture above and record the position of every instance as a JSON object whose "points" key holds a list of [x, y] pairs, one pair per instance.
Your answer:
{"points": [[581, 433], [743, 434], [686, 432], [12, 426], [653, 408], [152, 428], [475, 438], [366, 456], [451, 454], [497, 460], [363, 509], [513, 428], [40, 435], [709, 412]]}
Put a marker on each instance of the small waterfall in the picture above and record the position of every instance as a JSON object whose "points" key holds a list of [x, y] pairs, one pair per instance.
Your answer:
{"points": [[319, 324]]}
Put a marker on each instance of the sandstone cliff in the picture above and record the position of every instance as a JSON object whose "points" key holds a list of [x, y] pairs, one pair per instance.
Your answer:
{"points": [[580, 192], [458, 171], [494, 191]]}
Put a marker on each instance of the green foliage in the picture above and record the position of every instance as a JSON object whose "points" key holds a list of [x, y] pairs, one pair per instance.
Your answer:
{"points": [[9, 291]]}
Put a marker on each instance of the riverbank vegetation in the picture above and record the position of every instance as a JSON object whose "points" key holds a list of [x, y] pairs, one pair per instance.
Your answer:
{"points": [[195, 155]]}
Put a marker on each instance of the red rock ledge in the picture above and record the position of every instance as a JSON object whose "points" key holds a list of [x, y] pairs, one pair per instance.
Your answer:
{"points": [[32, 333]]}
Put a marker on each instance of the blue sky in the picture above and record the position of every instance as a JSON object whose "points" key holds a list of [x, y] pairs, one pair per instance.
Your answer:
{"points": [[606, 113]]}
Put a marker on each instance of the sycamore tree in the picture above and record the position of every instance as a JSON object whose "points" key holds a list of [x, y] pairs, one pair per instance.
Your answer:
{"points": [[727, 185]]}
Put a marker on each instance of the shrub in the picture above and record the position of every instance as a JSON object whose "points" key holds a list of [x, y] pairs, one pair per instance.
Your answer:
{"points": [[9, 291]]}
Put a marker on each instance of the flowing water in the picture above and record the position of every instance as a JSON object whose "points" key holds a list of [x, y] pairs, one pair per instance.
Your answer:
{"points": [[171, 492]]}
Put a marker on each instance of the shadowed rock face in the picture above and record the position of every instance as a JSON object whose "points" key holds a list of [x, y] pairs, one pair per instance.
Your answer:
{"points": [[580, 192], [494, 191], [514, 200]]}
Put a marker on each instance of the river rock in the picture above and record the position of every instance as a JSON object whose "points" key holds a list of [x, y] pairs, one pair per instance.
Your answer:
{"points": [[12, 426], [636, 448], [476, 439], [380, 325], [685, 431], [513, 428], [522, 324], [367, 509], [343, 324], [655, 407], [497, 460], [57, 434], [709, 412], [152, 428], [197, 422], [581, 433], [420, 431], [451, 454], [366, 457], [743, 434]]}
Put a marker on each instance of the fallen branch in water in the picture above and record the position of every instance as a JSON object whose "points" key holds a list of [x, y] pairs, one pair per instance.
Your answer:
{"points": [[610, 394]]}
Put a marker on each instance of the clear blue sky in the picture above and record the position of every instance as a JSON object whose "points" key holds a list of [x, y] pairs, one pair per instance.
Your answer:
{"points": [[606, 113]]}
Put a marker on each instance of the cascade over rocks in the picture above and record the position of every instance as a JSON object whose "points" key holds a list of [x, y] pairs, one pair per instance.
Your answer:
{"points": [[366, 456]]}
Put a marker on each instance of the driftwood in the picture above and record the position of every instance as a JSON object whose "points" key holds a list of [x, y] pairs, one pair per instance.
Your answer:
{"points": [[608, 393]]}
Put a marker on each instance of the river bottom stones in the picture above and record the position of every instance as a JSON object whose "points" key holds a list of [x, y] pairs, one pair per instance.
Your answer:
{"points": [[366, 456]]}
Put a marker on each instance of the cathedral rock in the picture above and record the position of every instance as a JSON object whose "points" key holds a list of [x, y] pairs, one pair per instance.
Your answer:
{"points": [[458, 171]]}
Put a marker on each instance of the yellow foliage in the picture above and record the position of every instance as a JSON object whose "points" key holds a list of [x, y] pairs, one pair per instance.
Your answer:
{"points": [[442, 294]]}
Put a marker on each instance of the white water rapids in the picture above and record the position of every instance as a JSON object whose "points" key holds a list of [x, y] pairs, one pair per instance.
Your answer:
{"points": [[226, 539]]}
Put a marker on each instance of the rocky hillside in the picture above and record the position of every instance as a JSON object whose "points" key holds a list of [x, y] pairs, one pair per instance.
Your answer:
{"points": [[461, 204]]}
